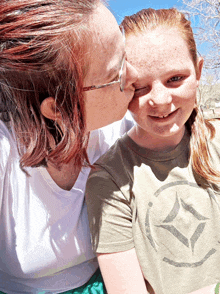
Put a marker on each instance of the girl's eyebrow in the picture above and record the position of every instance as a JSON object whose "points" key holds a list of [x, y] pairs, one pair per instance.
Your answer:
{"points": [[177, 70]]}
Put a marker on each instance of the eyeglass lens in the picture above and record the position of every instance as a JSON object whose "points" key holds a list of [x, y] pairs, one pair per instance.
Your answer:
{"points": [[123, 76]]}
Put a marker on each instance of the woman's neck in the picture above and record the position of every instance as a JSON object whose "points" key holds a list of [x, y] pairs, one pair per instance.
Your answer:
{"points": [[66, 176]]}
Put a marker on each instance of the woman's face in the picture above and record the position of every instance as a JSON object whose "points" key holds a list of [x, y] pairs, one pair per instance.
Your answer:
{"points": [[106, 105], [165, 91]]}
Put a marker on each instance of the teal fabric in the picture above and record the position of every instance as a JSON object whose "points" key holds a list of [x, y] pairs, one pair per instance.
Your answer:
{"points": [[94, 286]]}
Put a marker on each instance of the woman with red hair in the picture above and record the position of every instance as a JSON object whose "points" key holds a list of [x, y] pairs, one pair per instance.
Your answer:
{"points": [[59, 82]]}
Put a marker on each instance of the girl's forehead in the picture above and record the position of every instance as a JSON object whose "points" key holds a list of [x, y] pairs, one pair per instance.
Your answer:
{"points": [[161, 34], [155, 42], [158, 51]]}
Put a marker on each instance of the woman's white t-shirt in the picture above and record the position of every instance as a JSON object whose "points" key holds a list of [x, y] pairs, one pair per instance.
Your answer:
{"points": [[44, 232]]}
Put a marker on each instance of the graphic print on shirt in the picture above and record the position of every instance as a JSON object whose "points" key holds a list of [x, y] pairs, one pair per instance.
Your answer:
{"points": [[179, 222]]}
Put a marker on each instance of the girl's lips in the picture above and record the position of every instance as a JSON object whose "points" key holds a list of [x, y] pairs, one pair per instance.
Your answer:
{"points": [[164, 117]]}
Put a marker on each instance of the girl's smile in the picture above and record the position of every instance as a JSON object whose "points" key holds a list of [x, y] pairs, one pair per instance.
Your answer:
{"points": [[165, 91]]}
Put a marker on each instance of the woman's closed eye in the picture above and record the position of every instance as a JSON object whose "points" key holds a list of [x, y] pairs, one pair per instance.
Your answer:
{"points": [[141, 91]]}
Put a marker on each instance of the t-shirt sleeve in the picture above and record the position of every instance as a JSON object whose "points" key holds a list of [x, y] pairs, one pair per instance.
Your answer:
{"points": [[5, 150], [109, 212], [109, 134]]}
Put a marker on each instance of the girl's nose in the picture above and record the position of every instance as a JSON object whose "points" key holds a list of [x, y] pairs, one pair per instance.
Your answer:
{"points": [[160, 95]]}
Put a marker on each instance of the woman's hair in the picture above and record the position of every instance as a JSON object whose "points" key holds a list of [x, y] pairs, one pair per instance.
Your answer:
{"points": [[200, 129], [42, 54]]}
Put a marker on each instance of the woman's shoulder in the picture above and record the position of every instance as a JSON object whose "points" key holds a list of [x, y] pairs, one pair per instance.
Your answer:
{"points": [[102, 139], [5, 132], [7, 143]]}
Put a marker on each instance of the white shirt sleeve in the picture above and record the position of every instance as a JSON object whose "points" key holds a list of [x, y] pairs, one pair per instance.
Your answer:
{"points": [[102, 139]]}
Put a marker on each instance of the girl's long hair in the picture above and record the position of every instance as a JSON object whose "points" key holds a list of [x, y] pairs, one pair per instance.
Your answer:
{"points": [[201, 129]]}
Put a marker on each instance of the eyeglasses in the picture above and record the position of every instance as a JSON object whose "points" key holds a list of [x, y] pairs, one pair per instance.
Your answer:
{"points": [[121, 80]]}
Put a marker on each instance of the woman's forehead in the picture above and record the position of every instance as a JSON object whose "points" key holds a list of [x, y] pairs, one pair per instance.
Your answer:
{"points": [[106, 49]]}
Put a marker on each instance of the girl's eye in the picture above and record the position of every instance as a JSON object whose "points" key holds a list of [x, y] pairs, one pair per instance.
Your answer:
{"points": [[175, 79], [141, 91]]}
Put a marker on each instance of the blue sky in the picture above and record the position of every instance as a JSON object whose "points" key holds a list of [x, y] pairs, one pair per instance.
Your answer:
{"points": [[121, 8]]}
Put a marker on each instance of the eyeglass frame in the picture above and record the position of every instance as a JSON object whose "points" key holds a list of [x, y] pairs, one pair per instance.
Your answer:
{"points": [[94, 87]]}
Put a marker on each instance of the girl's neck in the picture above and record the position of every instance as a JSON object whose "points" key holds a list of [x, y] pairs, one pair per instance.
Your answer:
{"points": [[154, 143]]}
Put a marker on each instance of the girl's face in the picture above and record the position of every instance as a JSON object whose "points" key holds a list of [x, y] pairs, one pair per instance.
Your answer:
{"points": [[165, 92]]}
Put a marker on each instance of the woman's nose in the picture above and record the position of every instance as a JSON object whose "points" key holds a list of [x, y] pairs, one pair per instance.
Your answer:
{"points": [[131, 75], [160, 95]]}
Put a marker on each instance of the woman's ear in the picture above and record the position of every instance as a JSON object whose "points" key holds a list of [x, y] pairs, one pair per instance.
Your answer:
{"points": [[199, 69], [49, 110]]}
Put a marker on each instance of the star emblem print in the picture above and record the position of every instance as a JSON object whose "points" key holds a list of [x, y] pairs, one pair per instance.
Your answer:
{"points": [[181, 223], [175, 232]]}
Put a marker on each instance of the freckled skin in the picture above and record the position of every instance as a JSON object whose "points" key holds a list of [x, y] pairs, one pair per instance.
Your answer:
{"points": [[166, 87], [106, 105]]}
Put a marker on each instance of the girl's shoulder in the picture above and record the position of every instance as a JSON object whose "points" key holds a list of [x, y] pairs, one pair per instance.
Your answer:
{"points": [[216, 123], [215, 142]]}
